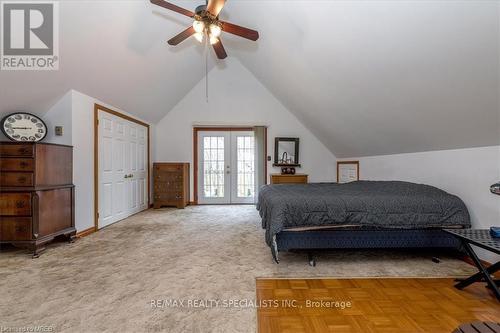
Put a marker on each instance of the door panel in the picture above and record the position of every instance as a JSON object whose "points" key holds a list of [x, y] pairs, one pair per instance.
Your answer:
{"points": [[242, 167], [214, 161], [122, 167]]}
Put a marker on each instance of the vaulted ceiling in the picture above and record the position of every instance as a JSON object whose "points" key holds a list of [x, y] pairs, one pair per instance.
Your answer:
{"points": [[367, 77]]}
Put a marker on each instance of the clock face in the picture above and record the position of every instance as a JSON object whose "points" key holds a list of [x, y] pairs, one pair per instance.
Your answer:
{"points": [[23, 127]]}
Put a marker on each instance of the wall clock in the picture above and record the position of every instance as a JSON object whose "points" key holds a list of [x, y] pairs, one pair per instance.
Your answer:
{"points": [[22, 126]]}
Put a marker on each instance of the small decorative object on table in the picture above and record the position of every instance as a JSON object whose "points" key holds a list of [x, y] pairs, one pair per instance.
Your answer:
{"points": [[288, 170], [495, 232]]}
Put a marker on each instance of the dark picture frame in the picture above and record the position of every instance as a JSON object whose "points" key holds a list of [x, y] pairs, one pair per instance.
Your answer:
{"points": [[277, 140]]}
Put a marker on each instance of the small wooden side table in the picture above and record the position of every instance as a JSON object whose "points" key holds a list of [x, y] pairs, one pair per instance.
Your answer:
{"points": [[483, 239]]}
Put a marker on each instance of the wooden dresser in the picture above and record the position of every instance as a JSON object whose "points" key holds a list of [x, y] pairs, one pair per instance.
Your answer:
{"points": [[298, 178], [171, 184], [36, 194]]}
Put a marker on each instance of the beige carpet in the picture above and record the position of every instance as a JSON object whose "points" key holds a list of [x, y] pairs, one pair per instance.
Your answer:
{"points": [[106, 281]]}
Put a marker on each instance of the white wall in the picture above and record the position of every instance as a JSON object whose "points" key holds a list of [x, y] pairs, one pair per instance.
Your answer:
{"points": [[467, 173], [83, 156], [59, 115], [236, 97]]}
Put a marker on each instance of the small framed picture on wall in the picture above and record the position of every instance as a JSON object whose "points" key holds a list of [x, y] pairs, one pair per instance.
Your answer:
{"points": [[347, 171]]}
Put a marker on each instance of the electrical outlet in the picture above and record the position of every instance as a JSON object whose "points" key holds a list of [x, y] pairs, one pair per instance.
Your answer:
{"points": [[59, 130]]}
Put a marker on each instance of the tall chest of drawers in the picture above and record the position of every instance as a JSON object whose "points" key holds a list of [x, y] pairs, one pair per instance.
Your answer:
{"points": [[171, 184], [36, 194]]}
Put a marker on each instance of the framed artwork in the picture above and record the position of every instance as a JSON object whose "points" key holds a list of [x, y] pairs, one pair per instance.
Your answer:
{"points": [[347, 171]]}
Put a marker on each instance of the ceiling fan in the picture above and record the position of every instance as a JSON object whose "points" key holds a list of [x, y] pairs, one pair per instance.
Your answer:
{"points": [[207, 25]]}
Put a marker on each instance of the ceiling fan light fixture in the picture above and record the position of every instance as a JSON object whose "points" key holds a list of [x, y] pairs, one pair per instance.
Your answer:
{"points": [[198, 26], [199, 36], [213, 40], [215, 30]]}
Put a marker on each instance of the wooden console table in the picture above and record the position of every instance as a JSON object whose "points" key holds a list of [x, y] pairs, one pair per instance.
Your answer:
{"points": [[483, 239]]}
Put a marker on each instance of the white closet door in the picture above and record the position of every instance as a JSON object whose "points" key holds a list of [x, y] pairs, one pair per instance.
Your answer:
{"points": [[122, 168]]}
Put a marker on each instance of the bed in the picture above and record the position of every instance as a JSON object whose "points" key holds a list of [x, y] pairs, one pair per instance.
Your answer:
{"points": [[360, 214]]}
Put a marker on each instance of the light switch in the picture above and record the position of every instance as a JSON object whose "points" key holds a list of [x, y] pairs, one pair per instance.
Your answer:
{"points": [[59, 130]]}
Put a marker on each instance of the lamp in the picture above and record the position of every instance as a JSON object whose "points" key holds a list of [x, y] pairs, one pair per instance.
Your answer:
{"points": [[213, 40], [215, 30], [199, 36], [198, 26]]}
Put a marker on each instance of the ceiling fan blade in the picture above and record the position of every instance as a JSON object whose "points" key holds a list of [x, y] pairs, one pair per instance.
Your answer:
{"points": [[215, 6], [239, 31], [219, 49], [173, 7], [182, 36]]}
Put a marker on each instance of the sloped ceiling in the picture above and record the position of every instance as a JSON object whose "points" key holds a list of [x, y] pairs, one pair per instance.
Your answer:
{"points": [[367, 77]]}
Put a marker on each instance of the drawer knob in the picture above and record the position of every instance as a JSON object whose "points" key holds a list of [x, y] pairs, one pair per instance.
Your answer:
{"points": [[19, 229], [21, 179], [20, 204], [23, 164]]}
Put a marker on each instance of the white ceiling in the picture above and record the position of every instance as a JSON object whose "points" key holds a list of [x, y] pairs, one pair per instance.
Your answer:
{"points": [[367, 77]]}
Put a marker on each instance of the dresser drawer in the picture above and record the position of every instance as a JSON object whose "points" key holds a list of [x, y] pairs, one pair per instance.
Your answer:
{"points": [[169, 167], [168, 186], [168, 176], [288, 179], [15, 204], [16, 179], [15, 228], [169, 196], [16, 164], [18, 150]]}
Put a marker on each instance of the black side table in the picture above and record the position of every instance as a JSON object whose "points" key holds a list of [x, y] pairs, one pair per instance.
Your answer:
{"points": [[483, 239]]}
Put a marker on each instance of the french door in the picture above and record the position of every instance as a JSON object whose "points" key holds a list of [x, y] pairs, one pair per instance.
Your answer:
{"points": [[226, 167], [122, 157]]}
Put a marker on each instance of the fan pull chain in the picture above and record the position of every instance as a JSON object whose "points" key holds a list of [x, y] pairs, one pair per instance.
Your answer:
{"points": [[206, 68]]}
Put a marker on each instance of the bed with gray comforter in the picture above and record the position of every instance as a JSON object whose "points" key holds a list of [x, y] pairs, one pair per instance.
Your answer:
{"points": [[360, 204]]}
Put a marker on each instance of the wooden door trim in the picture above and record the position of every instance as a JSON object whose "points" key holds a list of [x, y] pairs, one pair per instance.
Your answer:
{"points": [[98, 107], [197, 129]]}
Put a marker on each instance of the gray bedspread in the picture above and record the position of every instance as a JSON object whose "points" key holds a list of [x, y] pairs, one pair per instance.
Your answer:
{"points": [[373, 204]]}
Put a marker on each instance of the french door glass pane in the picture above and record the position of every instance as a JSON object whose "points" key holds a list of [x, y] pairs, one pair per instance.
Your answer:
{"points": [[213, 166], [245, 146]]}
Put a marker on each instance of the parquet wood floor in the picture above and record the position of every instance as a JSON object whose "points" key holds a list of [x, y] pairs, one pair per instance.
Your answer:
{"points": [[399, 305]]}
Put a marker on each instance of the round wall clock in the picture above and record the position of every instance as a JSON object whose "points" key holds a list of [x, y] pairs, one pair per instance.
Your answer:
{"points": [[22, 126]]}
